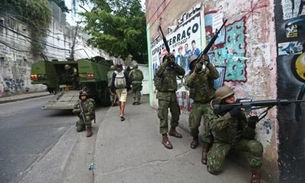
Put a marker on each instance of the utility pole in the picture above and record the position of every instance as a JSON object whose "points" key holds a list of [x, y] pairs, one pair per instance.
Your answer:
{"points": [[73, 42]]}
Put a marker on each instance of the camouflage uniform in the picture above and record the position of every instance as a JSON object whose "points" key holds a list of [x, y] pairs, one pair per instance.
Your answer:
{"points": [[70, 76], [167, 98], [232, 130], [136, 78], [88, 106], [202, 92], [113, 96], [231, 133]]}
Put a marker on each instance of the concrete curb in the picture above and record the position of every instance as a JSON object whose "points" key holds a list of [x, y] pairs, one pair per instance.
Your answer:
{"points": [[22, 97]]}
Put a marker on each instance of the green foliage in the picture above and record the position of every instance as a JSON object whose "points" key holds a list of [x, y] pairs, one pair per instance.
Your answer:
{"points": [[37, 13], [118, 27]]}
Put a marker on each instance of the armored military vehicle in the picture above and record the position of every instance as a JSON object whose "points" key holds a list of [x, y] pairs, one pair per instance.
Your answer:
{"points": [[91, 77]]}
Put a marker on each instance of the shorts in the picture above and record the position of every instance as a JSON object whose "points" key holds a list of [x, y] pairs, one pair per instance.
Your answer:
{"points": [[122, 94]]}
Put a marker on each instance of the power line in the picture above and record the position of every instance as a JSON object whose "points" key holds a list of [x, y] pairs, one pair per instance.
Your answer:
{"points": [[33, 39], [6, 44]]}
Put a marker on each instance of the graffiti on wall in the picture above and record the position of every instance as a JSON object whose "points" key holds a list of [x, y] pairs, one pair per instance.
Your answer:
{"points": [[13, 69], [232, 54], [290, 37]]}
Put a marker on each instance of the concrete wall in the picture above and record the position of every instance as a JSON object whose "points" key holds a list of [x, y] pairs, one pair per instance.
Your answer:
{"points": [[16, 58], [246, 54]]}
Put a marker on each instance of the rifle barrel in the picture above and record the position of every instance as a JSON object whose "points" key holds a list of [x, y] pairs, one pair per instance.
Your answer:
{"points": [[164, 40]]}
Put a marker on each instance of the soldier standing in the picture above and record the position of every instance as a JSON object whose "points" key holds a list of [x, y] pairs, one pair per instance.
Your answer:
{"points": [[200, 82], [167, 98], [233, 130], [136, 78], [85, 110], [113, 96], [70, 76]]}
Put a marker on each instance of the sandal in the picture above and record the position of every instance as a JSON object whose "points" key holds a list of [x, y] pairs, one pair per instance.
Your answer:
{"points": [[122, 118]]}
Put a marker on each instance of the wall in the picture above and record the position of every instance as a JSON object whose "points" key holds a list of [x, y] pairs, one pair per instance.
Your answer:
{"points": [[290, 35], [15, 56], [144, 68], [245, 52]]}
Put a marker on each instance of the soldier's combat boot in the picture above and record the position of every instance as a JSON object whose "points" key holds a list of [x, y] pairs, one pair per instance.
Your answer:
{"points": [[167, 144], [256, 176], [195, 142], [173, 132], [205, 150], [89, 131]]}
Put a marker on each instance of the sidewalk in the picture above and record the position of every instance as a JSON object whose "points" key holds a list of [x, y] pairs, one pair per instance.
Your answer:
{"points": [[131, 152], [24, 96]]}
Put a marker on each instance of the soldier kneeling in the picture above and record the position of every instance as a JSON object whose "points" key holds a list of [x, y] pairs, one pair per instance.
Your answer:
{"points": [[85, 110]]}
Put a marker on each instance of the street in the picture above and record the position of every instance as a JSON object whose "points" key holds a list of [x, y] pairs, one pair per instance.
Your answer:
{"points": [[35, 140]]}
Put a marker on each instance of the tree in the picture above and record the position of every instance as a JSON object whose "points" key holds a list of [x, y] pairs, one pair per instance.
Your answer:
{"points": [[117, 27]]}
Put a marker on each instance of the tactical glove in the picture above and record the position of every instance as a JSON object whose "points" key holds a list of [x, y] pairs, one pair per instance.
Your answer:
{"points": [[171, 65], [235, 112], [198, 67], [252, 120], [206, 59]]}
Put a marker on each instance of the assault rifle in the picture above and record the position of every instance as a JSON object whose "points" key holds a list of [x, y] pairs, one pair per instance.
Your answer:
{"points": [[82, 111], [210, 44], [249, 104], [164, 40]]}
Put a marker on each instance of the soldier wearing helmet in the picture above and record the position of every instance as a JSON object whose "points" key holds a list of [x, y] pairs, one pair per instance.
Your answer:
{"points": [[113, 96], [167, 98], [136, 77], [70, 76], [85, 109], [233, 129], [200, 83]]}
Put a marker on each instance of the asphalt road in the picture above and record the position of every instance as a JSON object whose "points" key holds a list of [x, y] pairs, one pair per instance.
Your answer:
{"points": [[41, 142]]}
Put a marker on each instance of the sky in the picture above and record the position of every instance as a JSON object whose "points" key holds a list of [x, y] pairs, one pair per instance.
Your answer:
{"points": [[72, 19]]}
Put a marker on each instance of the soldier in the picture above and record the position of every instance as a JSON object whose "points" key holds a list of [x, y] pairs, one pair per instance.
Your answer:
{"points": [[113, 96], [200, 82], [233, 130], [136, 78], [167, 98], [86, 115], [70, 76]]}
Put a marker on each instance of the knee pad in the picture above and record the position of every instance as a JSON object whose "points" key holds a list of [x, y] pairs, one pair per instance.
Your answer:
{"points": [[255, 147]]}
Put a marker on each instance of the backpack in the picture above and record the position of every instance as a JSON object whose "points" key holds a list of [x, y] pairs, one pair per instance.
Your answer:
{"points": [[136, 75], [119, 80]]}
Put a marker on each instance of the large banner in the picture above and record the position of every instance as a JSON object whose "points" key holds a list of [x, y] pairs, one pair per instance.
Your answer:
{"points": [[184, 41]]}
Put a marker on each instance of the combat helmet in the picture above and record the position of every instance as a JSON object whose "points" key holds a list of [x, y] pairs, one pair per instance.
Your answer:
{"points": [[112, 67], [67, 67], [83, 93], [135, 66], [222, 93], [192, 61]]}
